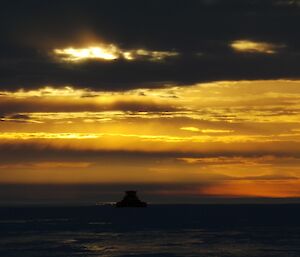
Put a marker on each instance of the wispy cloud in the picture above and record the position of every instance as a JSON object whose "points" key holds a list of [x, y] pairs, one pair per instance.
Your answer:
{"points": [[249, 46], [217, 133]]}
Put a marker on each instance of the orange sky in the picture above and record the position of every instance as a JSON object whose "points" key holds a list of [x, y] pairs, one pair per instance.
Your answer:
{"points": [[234, 138]]}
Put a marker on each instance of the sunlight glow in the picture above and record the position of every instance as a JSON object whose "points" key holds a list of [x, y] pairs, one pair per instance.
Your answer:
{"points": [[110, 52], [216, 131], [49, 91], [236, 138], [152, 55], [246, 188], [254, 46], [193, 129]]}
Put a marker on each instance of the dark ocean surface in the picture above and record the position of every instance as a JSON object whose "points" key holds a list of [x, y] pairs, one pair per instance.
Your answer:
{"points": [[159, 230]]}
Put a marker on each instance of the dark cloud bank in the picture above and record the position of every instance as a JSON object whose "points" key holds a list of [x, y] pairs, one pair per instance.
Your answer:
{"points": [[29, 152], [200, 31]]}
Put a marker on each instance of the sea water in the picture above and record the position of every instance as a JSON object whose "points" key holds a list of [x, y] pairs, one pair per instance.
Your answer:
{"points": [[158, 230]]}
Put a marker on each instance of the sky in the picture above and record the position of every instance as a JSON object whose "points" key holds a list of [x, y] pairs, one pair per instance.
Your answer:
{"points": [[184, 101]]}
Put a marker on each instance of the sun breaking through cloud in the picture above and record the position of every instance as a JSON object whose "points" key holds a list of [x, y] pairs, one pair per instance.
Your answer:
{"points": [[110, 52]]}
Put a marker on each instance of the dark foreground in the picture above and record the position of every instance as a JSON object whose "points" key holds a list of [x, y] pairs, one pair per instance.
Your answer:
{"points": [[159, 230]]}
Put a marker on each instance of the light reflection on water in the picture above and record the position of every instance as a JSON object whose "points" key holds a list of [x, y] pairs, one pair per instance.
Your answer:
{"points": [[153, 243], [105, 235]]}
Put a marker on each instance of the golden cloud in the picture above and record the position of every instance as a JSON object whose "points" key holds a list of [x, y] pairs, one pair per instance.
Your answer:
{"points": [[193, 129], [255, 46], [216, 132], [109, 52]]}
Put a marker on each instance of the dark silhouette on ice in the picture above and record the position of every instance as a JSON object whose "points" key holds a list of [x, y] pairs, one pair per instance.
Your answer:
{"points": [[131, 200]]}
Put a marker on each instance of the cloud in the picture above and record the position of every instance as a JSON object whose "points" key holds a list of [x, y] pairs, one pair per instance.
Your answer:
{"points": [[206, 131], [68, 99], [193, 129], [242, 160], [268, 178], [28, 39], [109, 53], [46, 165], [73, 148], [19, 118], [43, 162], [249, 46], [108, 86], [255, 189], [293, 3]]}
